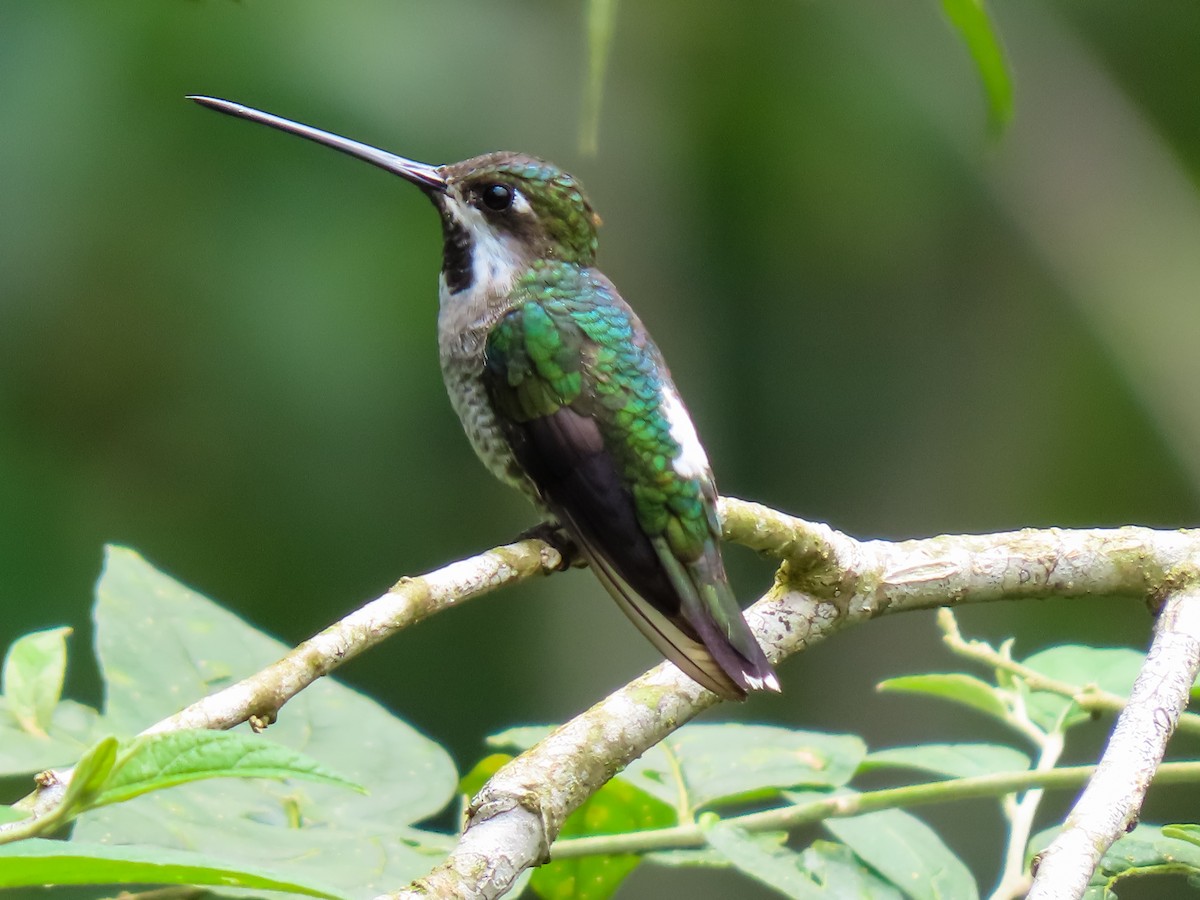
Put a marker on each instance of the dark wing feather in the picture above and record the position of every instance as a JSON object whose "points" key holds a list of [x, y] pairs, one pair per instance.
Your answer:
{"points": [[560, 420], [564, 456]]}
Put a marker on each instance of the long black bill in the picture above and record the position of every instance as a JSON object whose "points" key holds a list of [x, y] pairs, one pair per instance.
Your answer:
{"points": [[422, 175]]}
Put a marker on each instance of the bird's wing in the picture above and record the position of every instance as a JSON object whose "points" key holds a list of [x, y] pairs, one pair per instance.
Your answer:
{"points": [[593, 419]]}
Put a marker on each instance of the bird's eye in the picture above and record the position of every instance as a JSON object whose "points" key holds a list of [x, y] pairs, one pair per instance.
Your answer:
{"points": [[497, 197]]}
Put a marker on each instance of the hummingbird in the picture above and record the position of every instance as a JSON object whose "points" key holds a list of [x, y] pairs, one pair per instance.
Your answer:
{"points": [[564, 395]]}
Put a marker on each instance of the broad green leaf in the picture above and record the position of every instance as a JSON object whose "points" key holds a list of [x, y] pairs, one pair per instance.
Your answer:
{"points": [[601, 23], [1189, 833], [34, 668], [156, 761], [9, 814], [700, 765], [953, 760], [73, 728], [956, 687], [1112, 669], [703, 764], [970, 18], [520, 738], [37, 862], [617, 808], [313, 831], [703, 858], [824, 871], [908, 853], [91, 772], [1146, 850], [472, 783], [1148, 846]]}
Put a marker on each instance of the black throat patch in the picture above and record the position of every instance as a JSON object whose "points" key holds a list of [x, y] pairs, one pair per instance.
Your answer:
{"points": [[456, 255]]}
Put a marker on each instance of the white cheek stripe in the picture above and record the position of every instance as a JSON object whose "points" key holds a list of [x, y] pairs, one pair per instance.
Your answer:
{"points": [[493, 263], [692, 461], [520, 204]]}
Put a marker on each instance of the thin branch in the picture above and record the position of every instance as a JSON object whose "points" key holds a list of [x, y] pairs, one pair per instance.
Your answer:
{"points": [[258, 698], [691, 836], [1087, 697], [1110, 804], [1014, 882], [827, 581]]}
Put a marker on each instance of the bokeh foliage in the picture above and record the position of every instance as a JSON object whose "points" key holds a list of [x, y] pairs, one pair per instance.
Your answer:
{"points": [[216, 343]]}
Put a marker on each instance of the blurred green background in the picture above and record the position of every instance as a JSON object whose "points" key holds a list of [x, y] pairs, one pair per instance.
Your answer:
{"points": [[217, 342]]}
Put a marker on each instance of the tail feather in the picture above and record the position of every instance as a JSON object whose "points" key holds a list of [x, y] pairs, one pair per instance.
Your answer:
{"points": [[686, 609], [708, 605], [687, 651]]}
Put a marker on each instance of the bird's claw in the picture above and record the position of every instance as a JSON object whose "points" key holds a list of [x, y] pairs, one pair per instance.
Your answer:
{"points": [[556, 536]]}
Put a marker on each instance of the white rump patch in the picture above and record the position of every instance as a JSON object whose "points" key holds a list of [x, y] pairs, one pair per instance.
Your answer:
{"points": [[692, 461]]}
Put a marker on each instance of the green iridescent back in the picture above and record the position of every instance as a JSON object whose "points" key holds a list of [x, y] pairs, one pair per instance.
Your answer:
{"points": [[571, 341]]}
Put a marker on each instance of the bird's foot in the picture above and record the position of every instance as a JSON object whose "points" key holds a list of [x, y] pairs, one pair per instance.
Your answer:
{"points": [[557, 537]]}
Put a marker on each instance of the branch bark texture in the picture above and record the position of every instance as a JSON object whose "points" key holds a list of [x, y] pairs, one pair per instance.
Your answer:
{"points": [[1110, 803], [826, 581]]}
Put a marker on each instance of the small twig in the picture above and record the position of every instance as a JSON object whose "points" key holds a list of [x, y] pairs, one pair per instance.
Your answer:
{"points": [[683, 837], [259, 697], [1088, 697], [683, 805], [1014, 880], [1109, 805], [826, 582]]}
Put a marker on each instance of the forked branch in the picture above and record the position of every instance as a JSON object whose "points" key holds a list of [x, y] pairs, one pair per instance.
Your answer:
{"points": [[825, 582]]}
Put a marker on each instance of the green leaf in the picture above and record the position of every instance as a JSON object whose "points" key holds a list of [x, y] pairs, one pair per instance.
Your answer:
{"points": [[956, 687], [908, 853], [1148, 846], [704, 857], [953, 760], [520, 738], [37, 862], [601, 23], [472, 783], [704, 764], [700, 765], [1112, 669], [34, 668], [91, 772], [1147, 850], [11, 814], [1189, 833], [156, 761], [970, 18], [617, 808], [822, 871], [316, 832], [73, 728]]}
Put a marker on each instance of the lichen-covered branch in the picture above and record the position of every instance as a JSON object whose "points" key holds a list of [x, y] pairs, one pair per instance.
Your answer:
{"points": [[258, 698], [409, 601], [1110, 803], [827, 580], [809, 812]]}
